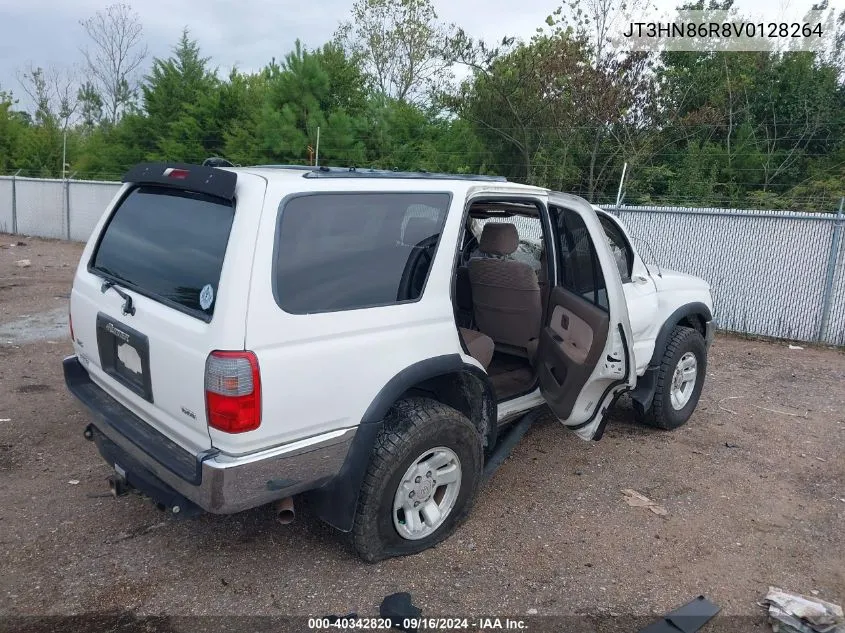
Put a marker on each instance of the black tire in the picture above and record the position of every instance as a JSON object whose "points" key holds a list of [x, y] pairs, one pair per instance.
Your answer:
{"points": [[411, 427], [662, 414]]}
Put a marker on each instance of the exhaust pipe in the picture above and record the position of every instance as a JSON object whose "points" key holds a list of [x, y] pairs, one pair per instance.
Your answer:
{"points": [[117, 485], [283, 509]]}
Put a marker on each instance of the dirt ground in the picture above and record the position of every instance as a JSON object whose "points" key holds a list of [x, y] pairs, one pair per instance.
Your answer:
{"points": [[754, 486]]}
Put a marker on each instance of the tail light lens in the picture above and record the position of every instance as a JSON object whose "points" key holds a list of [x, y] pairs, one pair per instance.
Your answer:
{"points": [[178, 174], [233, 391]]}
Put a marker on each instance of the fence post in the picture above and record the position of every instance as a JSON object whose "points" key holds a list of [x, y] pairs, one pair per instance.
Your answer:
{"points": [[831, 271], [621, 193], [15, 202], [67, 207]]}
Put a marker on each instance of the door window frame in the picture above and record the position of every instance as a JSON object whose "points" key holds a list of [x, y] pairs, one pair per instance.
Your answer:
{"points": [[549, 248], [545, 223], [597, 267], [626, 244]]}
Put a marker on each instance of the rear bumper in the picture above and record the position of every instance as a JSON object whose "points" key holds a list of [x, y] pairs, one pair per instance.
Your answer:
{"points": [[212, 480]]}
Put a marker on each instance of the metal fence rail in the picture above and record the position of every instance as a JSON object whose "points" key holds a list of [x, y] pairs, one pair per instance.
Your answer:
{"points": [[63, 209], [774, 273]]}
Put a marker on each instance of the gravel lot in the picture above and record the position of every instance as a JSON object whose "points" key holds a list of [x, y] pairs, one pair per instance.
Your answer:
{"points": [[754, 486]]}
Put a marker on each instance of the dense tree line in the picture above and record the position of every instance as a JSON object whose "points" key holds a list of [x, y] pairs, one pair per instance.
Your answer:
{"points": [[397, 89]]}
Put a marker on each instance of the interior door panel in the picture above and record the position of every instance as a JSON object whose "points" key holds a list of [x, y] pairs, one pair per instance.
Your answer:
{"points": [[570, 347], [575, 332], [583, 360]]}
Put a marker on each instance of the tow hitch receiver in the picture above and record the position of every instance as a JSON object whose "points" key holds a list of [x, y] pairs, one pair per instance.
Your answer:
{"points": [[131, 476]]}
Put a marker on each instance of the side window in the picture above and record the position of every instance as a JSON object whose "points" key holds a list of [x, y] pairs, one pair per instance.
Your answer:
{"points": [[580, 269], [347, 251], [619, 247]]}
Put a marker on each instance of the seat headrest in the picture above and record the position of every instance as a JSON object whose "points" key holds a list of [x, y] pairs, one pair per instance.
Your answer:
{"points": [[418, 229], [499, 239]]}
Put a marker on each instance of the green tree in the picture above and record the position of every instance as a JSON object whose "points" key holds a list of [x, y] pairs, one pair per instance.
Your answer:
{"points": [[181, 97], [286, 104], [13, 129], [400, 44]]}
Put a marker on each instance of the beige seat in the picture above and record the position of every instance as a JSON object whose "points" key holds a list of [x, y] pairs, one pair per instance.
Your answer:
{"points": [[505, 293], [480, 346]]}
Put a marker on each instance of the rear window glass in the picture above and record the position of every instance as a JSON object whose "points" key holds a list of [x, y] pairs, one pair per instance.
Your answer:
{"points": [[168, 245], [356, 250]]}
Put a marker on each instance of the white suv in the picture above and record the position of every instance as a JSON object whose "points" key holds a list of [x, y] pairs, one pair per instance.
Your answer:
{"points": [[243, 335]]}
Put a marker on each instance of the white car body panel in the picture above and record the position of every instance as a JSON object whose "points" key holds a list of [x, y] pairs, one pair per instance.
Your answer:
{"points": [[179, 344], [653, 295], [321, 372], [354, 353], [599, 390]]}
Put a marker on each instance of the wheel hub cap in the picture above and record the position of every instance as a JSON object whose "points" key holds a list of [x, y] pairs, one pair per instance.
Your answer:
{"points": [[423, 491], [427, 493]]}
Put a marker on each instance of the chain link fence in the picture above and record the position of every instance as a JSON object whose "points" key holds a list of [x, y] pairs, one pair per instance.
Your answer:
{"points": [[62, 209], [774, 273]]}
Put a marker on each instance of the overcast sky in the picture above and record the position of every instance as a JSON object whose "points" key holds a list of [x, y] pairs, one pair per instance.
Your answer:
{"points": [[247, 33]]}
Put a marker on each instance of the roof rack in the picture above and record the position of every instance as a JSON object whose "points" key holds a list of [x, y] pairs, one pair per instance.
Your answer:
{"points": [[354, 172], [297, 167]]}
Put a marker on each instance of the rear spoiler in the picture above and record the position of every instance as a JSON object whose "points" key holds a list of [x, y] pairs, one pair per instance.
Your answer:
{"points": [[208, 180]]}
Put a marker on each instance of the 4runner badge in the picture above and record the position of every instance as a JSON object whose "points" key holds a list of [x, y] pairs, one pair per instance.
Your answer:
{"points": [[111, 329]]}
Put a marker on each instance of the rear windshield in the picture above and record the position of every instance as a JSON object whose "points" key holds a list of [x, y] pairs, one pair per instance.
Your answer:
{"points": [[344, 251], [168, 245]]}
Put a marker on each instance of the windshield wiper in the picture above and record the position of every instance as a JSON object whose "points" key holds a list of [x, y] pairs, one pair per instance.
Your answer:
{"points": [[128, 307]]}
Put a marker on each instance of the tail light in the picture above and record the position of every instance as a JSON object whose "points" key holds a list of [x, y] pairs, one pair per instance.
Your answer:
{"points": [[178, 174], [233, 391]]}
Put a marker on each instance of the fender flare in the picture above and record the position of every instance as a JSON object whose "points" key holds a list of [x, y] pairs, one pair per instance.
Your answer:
{"points": [[335, 502], [643, 394]]}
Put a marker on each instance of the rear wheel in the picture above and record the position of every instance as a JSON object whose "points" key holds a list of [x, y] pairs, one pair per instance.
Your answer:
{"points": [[680, 379], [422, 480]]}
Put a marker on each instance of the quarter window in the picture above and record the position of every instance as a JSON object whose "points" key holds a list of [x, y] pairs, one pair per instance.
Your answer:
{"points": [[356, 250]]}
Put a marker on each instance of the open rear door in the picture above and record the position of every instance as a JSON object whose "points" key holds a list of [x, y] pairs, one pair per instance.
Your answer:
{"points": [[584, 355]]}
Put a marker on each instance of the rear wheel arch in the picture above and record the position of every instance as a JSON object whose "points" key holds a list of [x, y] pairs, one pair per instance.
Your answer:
{"points": [[446, 379], [468, 391]]}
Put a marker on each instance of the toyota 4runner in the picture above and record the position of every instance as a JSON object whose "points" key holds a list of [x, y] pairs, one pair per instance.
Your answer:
{"points": [[361, 338]]}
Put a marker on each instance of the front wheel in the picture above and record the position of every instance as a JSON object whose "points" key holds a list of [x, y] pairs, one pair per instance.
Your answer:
{"points": [[422, 480], [680, 379]]}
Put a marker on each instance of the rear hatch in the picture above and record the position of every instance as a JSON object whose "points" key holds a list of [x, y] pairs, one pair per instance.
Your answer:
{"points": [[162, 283]]}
